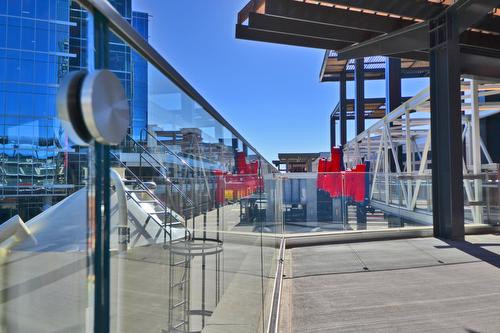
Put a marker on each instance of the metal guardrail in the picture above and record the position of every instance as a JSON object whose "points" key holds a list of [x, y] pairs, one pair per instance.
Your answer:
{"points": [[167, 148], [160, 172], [129, 35], [274, 316]]}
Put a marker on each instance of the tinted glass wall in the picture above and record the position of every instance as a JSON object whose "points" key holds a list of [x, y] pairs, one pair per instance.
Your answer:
{"points": [[34, 56], [139, 78], [40, 41]]}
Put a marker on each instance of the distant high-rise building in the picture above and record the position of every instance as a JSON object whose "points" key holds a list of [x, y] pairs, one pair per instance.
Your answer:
{"points": [[40, 41], [139, 78], [34, 56]]}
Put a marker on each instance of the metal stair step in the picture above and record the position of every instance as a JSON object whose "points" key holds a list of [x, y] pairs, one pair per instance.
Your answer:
{"points": [[147, 201], [183, 282], [181, 323], [181, 303]]}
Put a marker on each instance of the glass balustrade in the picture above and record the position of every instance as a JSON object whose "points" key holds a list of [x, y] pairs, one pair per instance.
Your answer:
{"points": [[196, 215]]}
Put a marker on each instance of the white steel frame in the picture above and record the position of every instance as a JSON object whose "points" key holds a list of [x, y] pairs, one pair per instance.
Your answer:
{"points": [[409, 126]]}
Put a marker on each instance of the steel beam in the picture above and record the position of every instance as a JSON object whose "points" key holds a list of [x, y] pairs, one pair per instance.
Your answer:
{"points": [[359, 103], [470, 12], [244, 32], [489, 23], [421, 9], [331, 15], [480, 65], [392, 95], [392, 84], [306, 28], [416, 36], [412, 38], [478, 42], [343, 108], [446, 128]]}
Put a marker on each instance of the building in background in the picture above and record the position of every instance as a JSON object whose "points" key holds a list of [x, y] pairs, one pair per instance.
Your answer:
{"points": [[139, 79], [40, 41], [34, 56], [299, 162]]}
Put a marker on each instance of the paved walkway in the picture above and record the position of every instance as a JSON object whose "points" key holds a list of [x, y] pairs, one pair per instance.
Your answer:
{"points": [[415, 285]]}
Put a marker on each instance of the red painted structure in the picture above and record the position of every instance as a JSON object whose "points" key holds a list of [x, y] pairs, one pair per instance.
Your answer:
{"points": [[350, 184], [244, 182]]}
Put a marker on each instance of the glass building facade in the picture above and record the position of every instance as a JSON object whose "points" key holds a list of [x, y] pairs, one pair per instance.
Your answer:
{"points": [[34, 56], [139, 78], [40, 41]]}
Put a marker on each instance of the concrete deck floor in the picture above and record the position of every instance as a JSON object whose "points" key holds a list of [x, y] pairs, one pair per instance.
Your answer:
{"points": [[414, 285]]}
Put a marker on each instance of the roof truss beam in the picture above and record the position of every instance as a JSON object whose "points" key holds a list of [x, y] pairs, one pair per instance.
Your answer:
{"points": [[307, 28], [244, 32], [416, 36], [339, 17], [420, 9]]}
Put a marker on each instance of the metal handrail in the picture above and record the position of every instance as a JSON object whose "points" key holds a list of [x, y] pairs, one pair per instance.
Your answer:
{"points": [[129, 35], [152, 195], [157, 170], [170, 151], [189, 155], [177, 156], [141, 183]]}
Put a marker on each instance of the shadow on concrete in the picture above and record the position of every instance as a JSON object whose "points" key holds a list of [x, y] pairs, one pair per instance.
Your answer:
{"points": [[474, 250]]}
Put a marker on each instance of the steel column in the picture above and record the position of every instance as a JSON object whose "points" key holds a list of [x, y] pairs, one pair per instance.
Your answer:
{"points": [[102, 205], [343, 108], [359, 103], [333, 133], [392, 84], [446, 128], [476, 148]]}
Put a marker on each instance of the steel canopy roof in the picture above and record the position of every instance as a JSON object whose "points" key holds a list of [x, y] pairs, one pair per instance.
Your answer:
{"points": [[365, 28]]}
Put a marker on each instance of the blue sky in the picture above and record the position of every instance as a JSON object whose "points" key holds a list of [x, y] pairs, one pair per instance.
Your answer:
{"points": [[270, 93]]}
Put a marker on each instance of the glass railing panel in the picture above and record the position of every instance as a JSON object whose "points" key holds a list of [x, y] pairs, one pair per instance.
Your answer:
{"points": [[200, 254], [343, 201], [46, 270], [491, 198], [481, 198]]}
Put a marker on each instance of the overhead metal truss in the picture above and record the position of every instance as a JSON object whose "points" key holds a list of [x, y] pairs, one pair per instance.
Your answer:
{"points": [[407, 129]]}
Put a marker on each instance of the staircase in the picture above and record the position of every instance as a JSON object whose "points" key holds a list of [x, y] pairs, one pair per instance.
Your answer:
{"points": [[140, 192], [153, 168], [187, 170]]}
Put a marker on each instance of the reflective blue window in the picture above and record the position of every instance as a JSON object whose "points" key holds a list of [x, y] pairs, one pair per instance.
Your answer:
{"points": [[14, 34], [28, 8], [14, 7]]}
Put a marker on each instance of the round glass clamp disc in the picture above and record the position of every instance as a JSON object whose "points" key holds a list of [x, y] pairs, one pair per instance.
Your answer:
{"points": [[105, 107]]}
